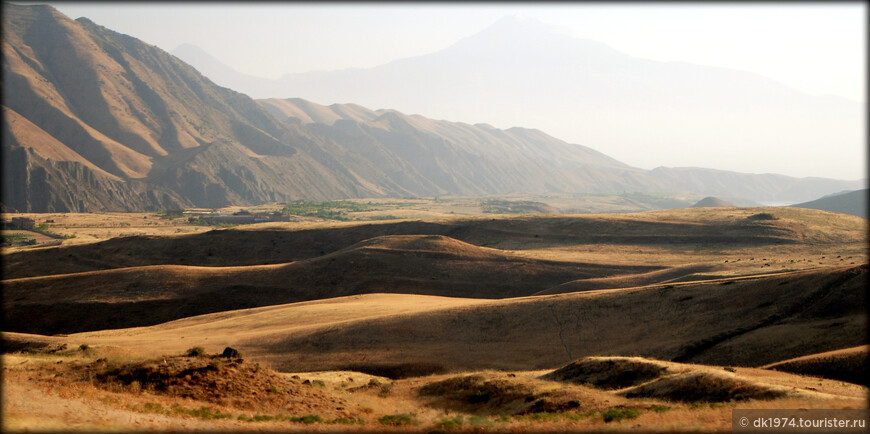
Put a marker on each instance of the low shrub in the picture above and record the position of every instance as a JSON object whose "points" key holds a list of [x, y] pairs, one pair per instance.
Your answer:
{"points": [[398, 419], [620, 413], [195, 352], [659, 408], [202, 412]]}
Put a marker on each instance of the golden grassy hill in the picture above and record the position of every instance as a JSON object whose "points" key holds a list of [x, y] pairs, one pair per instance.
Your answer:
{"points": [[848, 364], [790, 314], [682, 235], [137, 281]]}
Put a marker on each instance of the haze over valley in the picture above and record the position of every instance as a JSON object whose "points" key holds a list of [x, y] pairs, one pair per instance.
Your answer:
{"points": [[186, 247]]}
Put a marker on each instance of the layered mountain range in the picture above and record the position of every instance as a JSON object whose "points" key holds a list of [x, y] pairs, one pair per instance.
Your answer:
{"points": [[94, 120], [523, 72]]}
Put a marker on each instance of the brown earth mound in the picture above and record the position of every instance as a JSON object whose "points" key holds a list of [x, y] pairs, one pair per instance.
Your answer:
{"points": [[502, 394], [645, 378], [231, 382], [849, 364], [694, 386], [608, 372]]}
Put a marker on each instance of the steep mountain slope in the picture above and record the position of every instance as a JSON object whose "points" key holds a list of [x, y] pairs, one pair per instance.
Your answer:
{"points": [[852, 202], [532, 156], [128, 112], [521, 72], [135, 112]]}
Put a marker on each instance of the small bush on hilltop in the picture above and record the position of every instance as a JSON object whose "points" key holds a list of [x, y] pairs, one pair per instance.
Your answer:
{"points": [[196, 352]]}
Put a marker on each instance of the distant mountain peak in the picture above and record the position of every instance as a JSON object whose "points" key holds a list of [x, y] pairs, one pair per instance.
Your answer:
{"points": [[522, 25]]}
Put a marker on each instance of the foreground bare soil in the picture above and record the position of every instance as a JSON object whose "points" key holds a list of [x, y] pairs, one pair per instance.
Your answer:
{"points": [[108, 388]]}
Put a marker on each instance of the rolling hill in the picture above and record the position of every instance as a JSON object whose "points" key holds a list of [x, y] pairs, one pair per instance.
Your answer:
{"points": [[131, 127], [711, 201], [852, 202], [792, 314], [140, 281]]}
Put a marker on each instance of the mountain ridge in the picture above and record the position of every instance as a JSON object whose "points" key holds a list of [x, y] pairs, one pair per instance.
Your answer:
{"points": [[587, 92], [131, 127]]}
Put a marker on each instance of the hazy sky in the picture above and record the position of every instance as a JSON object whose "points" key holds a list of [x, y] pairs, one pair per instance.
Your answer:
{"points": [[815, 48]]}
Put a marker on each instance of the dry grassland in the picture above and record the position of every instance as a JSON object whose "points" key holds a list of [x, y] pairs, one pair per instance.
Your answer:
{"points": [[658, 321], [112, 389]]}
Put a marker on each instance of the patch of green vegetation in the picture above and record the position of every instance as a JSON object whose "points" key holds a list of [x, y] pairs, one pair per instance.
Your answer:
{"points": [[659, 408], [451, 422], [550, 416], [492, 206], [307, 419], [620, 413], [385, 390], [15, 238], [202, 412], [383, 217], [171, 214], [398, 419], [329, 210], [479, 421], [155, 408]]}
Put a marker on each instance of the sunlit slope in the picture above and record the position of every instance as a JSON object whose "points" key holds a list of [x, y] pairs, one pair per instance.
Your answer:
{"points": [[410, 264], [692, 234], [797, 313]]}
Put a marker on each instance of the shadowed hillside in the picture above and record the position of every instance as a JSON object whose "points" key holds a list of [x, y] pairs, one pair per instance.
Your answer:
{"points": [[853, 202], [791, 314], [848, 364], [409, 264], [684, 230]]}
